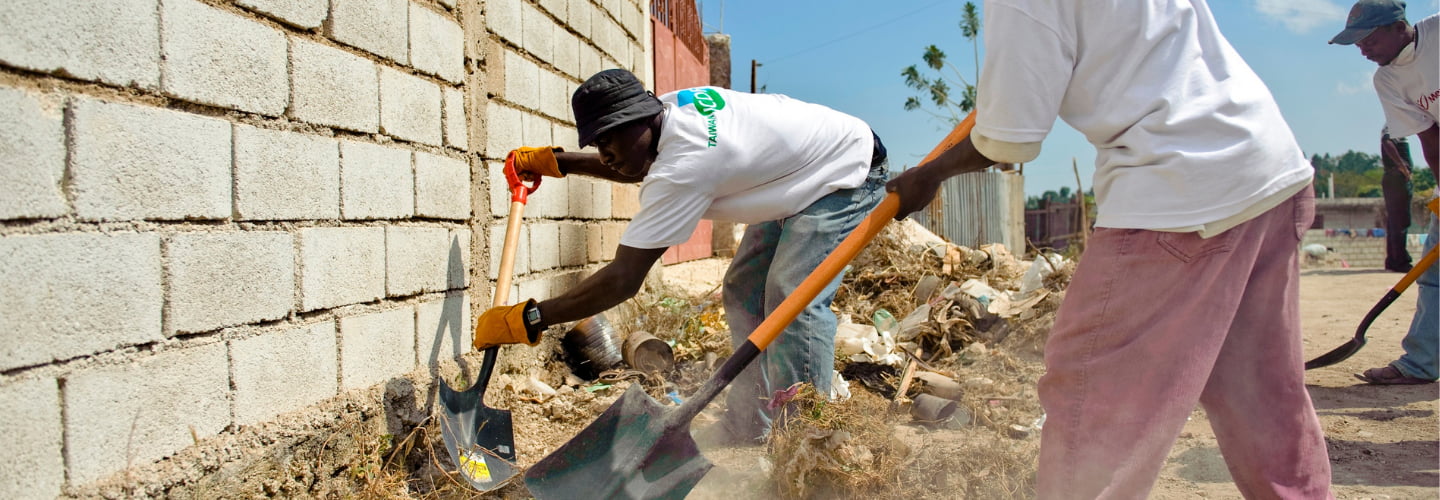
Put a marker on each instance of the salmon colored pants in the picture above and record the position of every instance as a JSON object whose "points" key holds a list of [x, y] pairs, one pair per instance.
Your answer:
{"points": [[1154, 322]]}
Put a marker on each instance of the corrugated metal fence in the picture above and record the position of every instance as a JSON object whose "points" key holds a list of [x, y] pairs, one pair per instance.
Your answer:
{"points": [[979, 208]]}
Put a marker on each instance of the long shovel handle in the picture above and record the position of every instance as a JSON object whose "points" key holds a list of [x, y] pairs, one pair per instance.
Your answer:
{"points": [[519, 193]]}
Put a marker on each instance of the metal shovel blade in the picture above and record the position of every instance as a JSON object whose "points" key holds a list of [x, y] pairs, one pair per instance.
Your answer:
{"points": [[637, 449], [481, 440], [1353, 346]]}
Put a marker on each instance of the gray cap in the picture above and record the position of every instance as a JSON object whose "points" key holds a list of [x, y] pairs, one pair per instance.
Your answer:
{"points": [[1367, 15], [608, 99]]}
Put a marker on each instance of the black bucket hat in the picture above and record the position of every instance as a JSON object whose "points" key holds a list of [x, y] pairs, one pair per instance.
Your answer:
{"points": [[608, 99]]}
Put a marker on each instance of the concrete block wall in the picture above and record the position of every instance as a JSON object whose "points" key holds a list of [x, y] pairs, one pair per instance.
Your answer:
{"points": [[1356, 249], [218, 212]]}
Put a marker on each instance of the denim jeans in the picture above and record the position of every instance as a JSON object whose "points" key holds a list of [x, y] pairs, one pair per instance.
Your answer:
{"points": [[1421, 359], [771, 261]]}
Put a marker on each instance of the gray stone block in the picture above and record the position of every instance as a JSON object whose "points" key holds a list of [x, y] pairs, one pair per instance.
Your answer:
{"points": [[409, 107], [502, 131], [32, 154], [306, 14], [341, 266], [539, 32], [437, 44], [75, 294], [377, 182], [134, 162], [442, 187], [379, 27], [219, 59], [457, 129], [229, 278], [458, 276], [416, 260], [115, 42], [30, 415], [503, 18], [544, 246], [442, 329], [283, 371], [522, 81], [333, 87], [283, 175], [134, 414], [376, 347]]}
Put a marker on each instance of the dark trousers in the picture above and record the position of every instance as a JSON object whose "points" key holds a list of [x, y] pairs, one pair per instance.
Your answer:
{"points": [[1396, 190]]}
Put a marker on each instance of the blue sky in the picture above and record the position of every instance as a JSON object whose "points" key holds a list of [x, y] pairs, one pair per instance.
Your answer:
{"points": [[848, 54]]}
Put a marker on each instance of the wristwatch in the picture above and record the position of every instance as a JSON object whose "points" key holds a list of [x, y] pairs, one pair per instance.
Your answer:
{"points": [[532, 317]]}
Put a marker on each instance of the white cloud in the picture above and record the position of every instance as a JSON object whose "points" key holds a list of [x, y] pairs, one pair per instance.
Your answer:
{"points": [[1300, 16], [1361, 83]]}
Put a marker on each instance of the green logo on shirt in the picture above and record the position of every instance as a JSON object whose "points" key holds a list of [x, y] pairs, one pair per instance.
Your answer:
{"points": [[707, 102]]}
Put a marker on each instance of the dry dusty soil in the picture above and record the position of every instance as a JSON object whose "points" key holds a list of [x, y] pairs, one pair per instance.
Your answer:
{"points": [[1384, 442]]}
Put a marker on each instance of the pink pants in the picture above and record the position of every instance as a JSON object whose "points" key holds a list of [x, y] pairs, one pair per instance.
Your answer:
{"points": [[1155, 322]]}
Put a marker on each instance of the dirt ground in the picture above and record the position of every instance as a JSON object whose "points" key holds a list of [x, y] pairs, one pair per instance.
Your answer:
{"points": [[1384, 442]]}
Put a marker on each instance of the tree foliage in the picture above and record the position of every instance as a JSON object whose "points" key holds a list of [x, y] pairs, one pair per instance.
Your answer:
{"points": [[1357, 175], [936, 83]]}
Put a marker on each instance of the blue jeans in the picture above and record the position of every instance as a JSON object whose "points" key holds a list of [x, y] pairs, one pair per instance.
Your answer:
{"points": [[1421, 344], [772, 260]]}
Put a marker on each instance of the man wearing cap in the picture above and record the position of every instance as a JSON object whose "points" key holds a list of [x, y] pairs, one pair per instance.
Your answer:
{"points": [[1188, 292], [1408, 83], [801, 175]]}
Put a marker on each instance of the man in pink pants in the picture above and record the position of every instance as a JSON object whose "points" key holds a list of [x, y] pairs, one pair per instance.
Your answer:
{"points": [[1187, 292]]}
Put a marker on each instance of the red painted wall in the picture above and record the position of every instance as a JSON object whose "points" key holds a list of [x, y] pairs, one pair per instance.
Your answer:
{"points": [[678, 67]]}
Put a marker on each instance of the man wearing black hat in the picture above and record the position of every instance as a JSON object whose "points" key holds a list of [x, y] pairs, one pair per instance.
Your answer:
{"points": [[801, 175], [1408, 83]]}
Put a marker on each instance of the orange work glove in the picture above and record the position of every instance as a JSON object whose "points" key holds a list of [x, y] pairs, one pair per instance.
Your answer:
{"points": [[507, 325], [536, 161]]}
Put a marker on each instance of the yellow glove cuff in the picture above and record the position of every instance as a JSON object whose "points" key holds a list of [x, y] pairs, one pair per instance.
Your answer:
{"points": [[538, 160]]}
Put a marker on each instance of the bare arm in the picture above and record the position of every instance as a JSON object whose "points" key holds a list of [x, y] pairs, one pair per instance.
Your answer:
{"points": [[1387, 148], [918, 185], [588, 164], [615, 283]]}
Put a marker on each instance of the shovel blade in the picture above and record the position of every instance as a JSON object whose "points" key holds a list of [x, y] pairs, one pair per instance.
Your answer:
{"points": [[481, 440], [637, 449], [1337, 355]]}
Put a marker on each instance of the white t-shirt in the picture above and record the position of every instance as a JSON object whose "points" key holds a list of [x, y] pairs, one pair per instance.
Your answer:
{"points": [[1409, 87], [1186, 134], [748, 158]]}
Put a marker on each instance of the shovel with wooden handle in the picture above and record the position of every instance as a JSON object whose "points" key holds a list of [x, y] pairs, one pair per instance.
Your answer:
{"points": [[1353, 346], [481, 440], [640, 449]]}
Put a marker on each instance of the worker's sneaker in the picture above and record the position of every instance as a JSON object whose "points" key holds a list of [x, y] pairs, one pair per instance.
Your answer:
{"points": [[1389, 375], [1399, 268]]}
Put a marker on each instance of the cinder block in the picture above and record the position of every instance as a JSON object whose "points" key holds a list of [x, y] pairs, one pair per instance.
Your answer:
{"points": [[377, 182], [442, 187], [333, 87], [544, 246], [522, 81], [283, 175], [552, 200], [497, 245], [437, 44], [458, 276], [143, 411], [457, 130], [341, 265], [30, 415], [610, 238], [566, 137], [409, 107], [580, 190], [572, 245], [499, 190], [502, 130], [503, 18], [632, 20], [594, 242], [539, 32], [442, 329], [379, 27], [32, 154], [555, 93], [579, 16], [115, 42], [134, 162], [307, 14], [229, 278], [220, 59], [624, 200], [536, 130], [538, 289], [416, 260], [603, 197], [282, 371], [590, 61], [74, 294], [376, 347], [567, 53], [556, 8]]}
